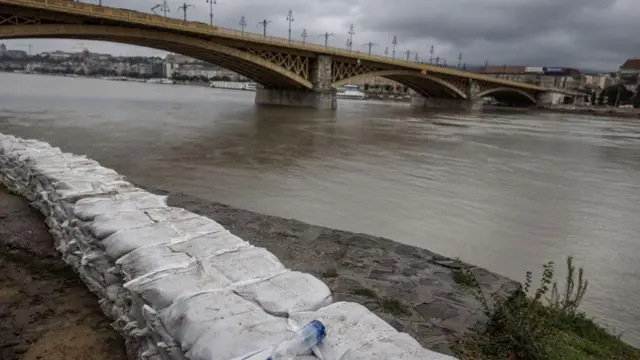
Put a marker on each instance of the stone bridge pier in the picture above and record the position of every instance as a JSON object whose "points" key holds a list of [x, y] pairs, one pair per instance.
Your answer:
{"points": [[322, 96], [472, 101]]}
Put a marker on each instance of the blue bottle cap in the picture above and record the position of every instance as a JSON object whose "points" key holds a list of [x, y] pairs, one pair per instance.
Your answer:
{"points": [[321, 331]]}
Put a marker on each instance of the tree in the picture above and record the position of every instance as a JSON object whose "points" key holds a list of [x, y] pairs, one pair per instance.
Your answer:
{"points": [[388, 88], [366, 87]]}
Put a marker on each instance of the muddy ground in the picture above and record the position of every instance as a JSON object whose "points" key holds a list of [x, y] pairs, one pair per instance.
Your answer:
{"points": [[45, 310]]}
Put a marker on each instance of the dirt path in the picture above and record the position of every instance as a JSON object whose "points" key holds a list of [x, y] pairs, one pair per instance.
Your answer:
{"points": [[45, 311]]}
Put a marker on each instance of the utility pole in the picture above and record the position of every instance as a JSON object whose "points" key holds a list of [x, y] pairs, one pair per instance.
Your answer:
{"points": [[444, 62], [163, 7], [431, 50], [416, 58], [184, 8], [326, 38], [437, 60], [243, 25], [370, 45], [386, 51], [264, 24], [408, 52], [459, 60], [394, 42], [348, 43], [304, 36], [486, 65], [211, 3], [290, 20], [351, 33]]}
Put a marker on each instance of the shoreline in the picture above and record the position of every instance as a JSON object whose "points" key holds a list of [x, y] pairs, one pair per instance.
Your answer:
{"points": [[411, 288]]}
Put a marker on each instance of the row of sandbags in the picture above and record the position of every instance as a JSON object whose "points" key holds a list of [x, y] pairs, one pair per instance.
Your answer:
{"points": [[178, 285]]}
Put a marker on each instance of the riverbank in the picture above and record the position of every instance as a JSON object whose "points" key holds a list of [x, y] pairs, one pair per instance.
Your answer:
{"points": [[46, 312], [412, 289]]}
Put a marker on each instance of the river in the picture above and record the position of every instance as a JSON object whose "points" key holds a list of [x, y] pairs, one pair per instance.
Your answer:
{"points": [[507, 192]]}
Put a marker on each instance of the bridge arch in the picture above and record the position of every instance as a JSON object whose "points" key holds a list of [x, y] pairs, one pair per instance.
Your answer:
{"points": [[506, 92], [424, 84], [252, 66]]}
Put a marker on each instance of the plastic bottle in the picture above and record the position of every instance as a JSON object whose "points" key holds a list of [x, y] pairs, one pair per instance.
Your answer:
{"points": [[301, 341]]}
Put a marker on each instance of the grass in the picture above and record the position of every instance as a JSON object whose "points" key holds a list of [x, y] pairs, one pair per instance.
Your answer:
{"points": [[544, 324], [389, 305], [330, 273]]}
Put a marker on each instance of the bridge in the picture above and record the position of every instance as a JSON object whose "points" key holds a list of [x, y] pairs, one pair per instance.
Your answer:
{"points": [[291, 73]]}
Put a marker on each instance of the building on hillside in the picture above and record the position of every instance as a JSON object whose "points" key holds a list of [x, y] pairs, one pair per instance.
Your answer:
{"points": [[629, 74]]}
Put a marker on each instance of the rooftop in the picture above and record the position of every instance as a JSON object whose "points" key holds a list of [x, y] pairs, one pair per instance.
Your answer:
{"points": [[631, 64]]}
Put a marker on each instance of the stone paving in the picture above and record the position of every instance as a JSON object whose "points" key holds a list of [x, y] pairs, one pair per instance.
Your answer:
{"points": [[372, 271]]}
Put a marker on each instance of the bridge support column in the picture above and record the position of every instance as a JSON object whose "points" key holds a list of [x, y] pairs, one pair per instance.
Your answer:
{"points": [[445, 103], [322, 96]]}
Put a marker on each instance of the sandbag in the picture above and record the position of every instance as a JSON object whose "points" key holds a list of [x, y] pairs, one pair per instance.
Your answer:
{"points": [[190, 316], [150, 259], [184, 226], [208, 245], [239, 336], [349, 326], [159, 289], [88, 209], [104, 225], [287, 293], [245, 264], [398, 346]]}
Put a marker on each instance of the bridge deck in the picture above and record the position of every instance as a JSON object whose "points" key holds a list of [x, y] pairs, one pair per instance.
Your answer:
{"points": [[125, 17]]}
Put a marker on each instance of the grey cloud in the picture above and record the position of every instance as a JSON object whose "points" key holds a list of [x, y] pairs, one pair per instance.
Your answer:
{"points": [[586, 33]]}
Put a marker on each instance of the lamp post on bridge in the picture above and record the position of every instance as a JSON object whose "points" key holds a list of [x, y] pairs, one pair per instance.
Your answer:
{"points": [[394, 42], [264, 24], [211, 3], [408, 52], [416, 58], [351, 33], [164, 7], [370, 45], [437, 60], [184, 8], [386, 51], [290, 20], [326, 38], [304, 36], [431, 50], [459, 60], [348, 44], [243, 25]]}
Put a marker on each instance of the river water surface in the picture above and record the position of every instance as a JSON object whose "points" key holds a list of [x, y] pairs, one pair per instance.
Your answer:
{"points": [[507, 192]]}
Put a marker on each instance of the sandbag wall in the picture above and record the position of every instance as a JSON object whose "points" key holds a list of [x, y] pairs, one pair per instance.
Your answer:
{"points": [[178, 285]]}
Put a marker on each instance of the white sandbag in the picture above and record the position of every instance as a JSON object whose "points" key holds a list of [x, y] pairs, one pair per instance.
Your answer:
{"points": [[88, 209], [399, 346], [159, 289], [106, 224], [150, 259], [246, 264], [239, 336], [209, 244], [287, 293], [190, 316], [165, 231], [349, 326]]}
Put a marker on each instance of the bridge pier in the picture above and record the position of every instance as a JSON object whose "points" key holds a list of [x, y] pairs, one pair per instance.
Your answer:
{"points": [[445, 103], [322, 96]]}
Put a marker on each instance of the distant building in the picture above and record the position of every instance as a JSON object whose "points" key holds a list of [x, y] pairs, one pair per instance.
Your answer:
{"points": [[3, 50], [548, 76], [629, 74]]}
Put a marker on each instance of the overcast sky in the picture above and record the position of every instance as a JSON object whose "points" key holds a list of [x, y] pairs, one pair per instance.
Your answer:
{"points": [[598, 34]]}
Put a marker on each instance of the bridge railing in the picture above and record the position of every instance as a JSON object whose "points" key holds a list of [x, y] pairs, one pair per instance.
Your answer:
{"points": [[202, 28]]}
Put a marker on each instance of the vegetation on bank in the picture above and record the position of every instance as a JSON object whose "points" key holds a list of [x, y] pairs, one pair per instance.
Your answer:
{"points": [[544, 324]]}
